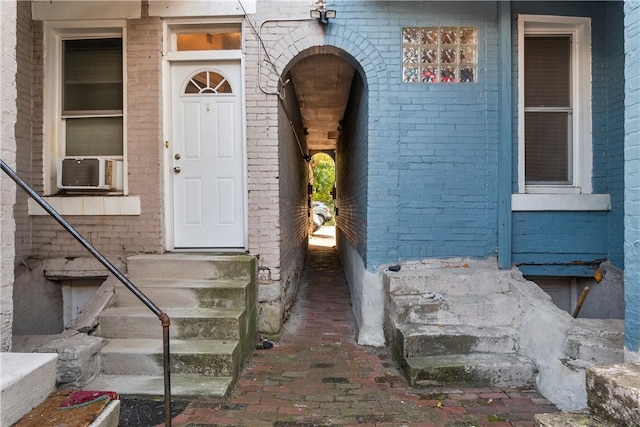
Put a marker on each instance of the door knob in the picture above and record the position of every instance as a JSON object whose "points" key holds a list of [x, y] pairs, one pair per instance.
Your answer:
{"points": [[177, 169]]}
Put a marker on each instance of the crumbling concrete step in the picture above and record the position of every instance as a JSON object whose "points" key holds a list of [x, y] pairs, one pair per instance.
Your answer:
{"points": [[597, 341], [191, 266], [567, 420], [471, 370], [451, 281], [181, 385], [188, 293], [499, 309], [613, 393], [186, 323], [26, 379], [433, 340], [145, 357]]}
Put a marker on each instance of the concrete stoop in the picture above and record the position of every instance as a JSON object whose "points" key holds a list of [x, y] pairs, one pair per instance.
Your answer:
{"points": [[26, 379], [613, 393], [568, 420], [211, 301], [448, 323], [463, 322], [613, 397]]}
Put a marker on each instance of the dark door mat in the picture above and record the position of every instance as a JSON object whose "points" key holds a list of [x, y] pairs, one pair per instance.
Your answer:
{"points": [[146, 411]]}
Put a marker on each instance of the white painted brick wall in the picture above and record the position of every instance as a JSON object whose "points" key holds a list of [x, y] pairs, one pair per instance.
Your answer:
{"points": [[8, 67], [119, 236], [23, 128]]}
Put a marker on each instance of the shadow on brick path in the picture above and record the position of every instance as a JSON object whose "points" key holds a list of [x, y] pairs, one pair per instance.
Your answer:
{"points": [[317, 375]]}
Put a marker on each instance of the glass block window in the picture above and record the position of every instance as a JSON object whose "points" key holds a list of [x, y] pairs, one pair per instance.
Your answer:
{"points": [[439, 54]]}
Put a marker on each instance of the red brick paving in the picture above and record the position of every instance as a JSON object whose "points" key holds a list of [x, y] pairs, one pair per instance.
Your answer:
{"points": [[317, 375]]}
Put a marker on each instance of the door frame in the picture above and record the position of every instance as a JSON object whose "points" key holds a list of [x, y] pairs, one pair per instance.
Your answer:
{"points": [[170, 57]]}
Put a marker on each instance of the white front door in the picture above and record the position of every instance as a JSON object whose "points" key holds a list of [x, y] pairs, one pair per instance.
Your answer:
{"points": [[207, 155]]}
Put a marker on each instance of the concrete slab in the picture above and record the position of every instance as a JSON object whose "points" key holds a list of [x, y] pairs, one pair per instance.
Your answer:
{"points": [[186, 323], [145, 357], [168, 293], [494, 308], [475, 370], [109, 417], [26, 379], [191, 266], [78, 355], [452, 281], [154, 385], [567, 420], [423, 340], [613, 393]]}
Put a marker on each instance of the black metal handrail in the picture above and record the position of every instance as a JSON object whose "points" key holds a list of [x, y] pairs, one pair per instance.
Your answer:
{"points": [[164, 318]]}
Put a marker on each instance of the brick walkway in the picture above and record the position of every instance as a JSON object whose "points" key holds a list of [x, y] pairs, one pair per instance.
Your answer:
{"points": [[317, 375]]}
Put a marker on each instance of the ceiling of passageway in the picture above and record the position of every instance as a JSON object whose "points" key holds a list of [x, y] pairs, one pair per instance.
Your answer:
{"points": [[322, 83]]}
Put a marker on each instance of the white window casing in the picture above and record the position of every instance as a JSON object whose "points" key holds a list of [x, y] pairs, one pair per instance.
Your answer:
{"points": [[577, 195], [54, 146]]}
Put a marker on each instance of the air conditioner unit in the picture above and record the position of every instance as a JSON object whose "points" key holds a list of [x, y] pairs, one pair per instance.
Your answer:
{"points": [[88, 173]]}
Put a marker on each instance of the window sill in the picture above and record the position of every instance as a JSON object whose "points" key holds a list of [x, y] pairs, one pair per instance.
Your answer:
{"points": [[89, 205], [560, 202]]}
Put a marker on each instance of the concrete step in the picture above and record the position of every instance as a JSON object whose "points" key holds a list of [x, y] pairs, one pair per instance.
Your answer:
{"points": [[613, 393], [147, 385], [596, 341], [191, 266], [471, 370], [433, 340], [189, 293], [567, 420], [186, 323], [499, 309], [145, 357], [449, 281], [26, 379]]}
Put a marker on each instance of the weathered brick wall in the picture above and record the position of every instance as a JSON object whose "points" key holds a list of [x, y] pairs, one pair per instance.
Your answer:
{"points": [[8, 69], [294, 217], [262, 131], [119, 236], [24, 84], [277, 174], [352, 171], [632, 180]]}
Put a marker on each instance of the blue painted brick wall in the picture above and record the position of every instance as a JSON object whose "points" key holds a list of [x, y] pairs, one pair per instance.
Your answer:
{"points": [[351, 169], [600, 235], [632, 177], [614, 133], [432, 156], [433, 149]]}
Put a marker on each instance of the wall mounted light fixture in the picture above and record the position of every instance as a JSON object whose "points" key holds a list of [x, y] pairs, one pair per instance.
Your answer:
{"points": [[323, 15]]}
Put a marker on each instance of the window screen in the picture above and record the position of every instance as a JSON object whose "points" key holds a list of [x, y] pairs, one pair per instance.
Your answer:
{"points": [[548, 110]]}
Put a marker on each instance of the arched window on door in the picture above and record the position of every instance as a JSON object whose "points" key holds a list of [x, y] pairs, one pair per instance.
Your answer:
{"points": [[207, 82]]}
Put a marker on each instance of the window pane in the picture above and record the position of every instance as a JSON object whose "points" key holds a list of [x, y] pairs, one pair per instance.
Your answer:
{"points": [[94, 136], [208, 82], [210, 41], [92, 75], [547, 70], [547, 148]]}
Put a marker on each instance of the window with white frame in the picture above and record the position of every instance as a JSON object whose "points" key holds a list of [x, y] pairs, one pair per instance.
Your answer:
{"points": [[554, 108], [92, 97], [85, 98]]}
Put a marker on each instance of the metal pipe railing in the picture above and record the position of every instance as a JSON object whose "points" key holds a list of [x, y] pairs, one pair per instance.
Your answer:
{"points": [[164, 318]]}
